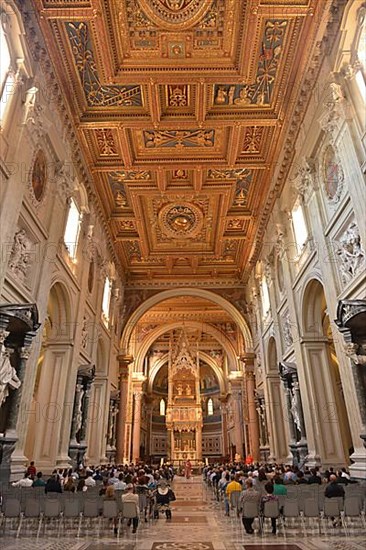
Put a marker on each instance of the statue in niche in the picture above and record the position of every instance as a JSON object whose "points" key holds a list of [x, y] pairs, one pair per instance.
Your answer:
{"points": [[188, 390], [180, 389], [294, 411], [84, 334], [8, 376], [79, 412], [352, 351]]}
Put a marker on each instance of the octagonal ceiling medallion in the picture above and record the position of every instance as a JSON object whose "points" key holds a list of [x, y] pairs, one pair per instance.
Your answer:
{"points": [[175, 14], [182, 221]]}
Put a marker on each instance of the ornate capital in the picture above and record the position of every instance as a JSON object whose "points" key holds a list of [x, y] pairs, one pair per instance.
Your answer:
{"points": [[267, 268], [65, 181], [334, 111], [248, 360], [305, 177], [125, 360]]}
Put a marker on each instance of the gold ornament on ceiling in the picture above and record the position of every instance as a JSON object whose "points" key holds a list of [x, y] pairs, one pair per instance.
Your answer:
{"points": [[182, 221], [175, 14]]}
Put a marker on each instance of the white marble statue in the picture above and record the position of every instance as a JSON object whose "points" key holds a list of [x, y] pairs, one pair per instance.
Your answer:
{"points": [[8, 376]]}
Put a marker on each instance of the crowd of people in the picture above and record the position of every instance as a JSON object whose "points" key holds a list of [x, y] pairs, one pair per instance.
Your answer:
{"points": [[110, 480], [260, 483]]}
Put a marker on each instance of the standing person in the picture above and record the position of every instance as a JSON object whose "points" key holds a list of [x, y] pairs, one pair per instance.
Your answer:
{"points": [[188, 469], [31, 470]]}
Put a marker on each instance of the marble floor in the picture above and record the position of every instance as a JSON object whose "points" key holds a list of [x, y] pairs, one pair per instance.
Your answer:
{"points": [[198, 523]]}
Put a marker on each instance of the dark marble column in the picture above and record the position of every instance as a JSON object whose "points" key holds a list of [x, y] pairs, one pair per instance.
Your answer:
{"points": [[77, 414], [18, 326], [79, 424], [351, 322], [298, 443]]}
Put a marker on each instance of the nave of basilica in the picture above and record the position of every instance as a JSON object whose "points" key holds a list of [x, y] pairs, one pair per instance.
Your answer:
{"points": [[182, 212]]}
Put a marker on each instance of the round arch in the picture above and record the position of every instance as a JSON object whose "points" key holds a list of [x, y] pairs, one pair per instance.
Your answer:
{"points": [[312, 306], [101, 364], [194, 292], [272, 355], [59, 310], [156, 333], [209, 360]]}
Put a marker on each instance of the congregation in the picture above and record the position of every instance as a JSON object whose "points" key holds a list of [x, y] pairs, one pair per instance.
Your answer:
{"points": [[259, 484]]}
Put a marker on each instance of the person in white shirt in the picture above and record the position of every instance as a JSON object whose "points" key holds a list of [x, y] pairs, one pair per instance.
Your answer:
{"points": [[25, 482], [131, 497], [89, 481], [120, 485]]}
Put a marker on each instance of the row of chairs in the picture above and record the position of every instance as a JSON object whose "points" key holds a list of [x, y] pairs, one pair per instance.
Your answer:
{"points": [[62, 509], [305, 504], [310, 508]]}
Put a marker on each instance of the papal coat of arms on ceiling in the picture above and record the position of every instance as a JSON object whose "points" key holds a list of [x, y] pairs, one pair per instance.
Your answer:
{"points": [[175, 14]]}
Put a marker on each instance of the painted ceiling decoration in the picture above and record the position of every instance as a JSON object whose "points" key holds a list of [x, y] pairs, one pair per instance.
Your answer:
{"points": [[181, 109]]}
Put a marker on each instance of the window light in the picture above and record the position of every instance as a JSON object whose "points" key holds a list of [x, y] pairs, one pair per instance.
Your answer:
{"points": [[299, 225], [72, 230]]}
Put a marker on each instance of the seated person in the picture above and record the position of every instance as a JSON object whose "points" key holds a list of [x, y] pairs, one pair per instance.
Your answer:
{"points": [[269, 496], [248, 495]]}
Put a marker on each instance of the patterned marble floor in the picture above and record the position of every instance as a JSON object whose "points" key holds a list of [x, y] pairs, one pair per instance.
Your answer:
{"points": [[198, 524]]}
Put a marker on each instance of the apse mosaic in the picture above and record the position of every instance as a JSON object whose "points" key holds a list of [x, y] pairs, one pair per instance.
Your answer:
{"points": [[260, 91], [96, 93]]}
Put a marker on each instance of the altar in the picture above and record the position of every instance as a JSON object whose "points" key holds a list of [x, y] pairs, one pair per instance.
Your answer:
{"points": [[184, 411]]}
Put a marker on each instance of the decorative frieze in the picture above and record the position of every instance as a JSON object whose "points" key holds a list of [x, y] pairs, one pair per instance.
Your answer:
{"points": [[334, 111]]}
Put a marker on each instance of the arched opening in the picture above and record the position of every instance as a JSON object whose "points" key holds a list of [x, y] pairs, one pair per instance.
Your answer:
{"points": [[48, 412], [233, 313], [274, 406], [324, 385]]}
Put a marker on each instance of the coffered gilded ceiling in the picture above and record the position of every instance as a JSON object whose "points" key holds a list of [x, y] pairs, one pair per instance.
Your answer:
{"points": [[181, 108]]}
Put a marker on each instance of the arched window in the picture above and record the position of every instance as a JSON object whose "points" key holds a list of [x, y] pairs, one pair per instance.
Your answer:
{"points": [[210, 407], [106, 299], [299, 227], [265, 297], [72, 229], [6, 74], [361, 61], [162, 407]]}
